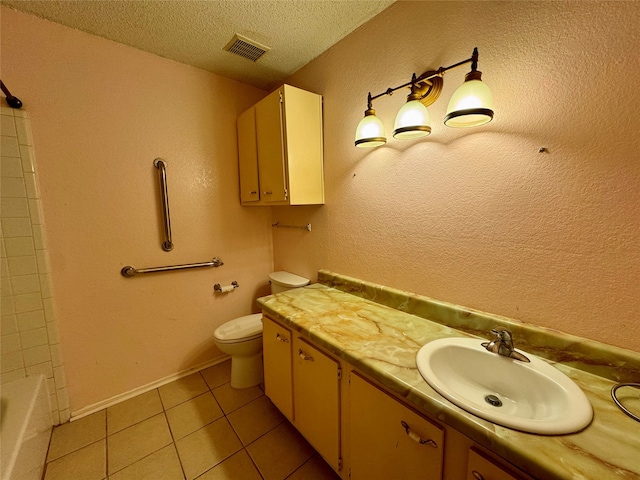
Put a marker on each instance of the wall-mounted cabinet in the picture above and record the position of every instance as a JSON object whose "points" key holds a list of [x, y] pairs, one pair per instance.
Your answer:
{"points": [[280, 152]]}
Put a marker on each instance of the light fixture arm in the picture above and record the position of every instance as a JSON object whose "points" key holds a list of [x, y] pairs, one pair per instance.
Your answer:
{"points": [[423, 81]]}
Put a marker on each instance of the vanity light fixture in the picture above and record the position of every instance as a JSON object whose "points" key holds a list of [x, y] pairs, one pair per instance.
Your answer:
{"points": [[471, 105]]}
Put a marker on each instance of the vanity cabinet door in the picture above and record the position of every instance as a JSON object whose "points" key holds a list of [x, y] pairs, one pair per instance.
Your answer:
{"points": [[316, 393], [385, 437], [276, 342], [480, 467]]}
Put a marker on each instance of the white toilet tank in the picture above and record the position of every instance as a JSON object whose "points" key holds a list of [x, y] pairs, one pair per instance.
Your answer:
{"points": [[283, 281]]}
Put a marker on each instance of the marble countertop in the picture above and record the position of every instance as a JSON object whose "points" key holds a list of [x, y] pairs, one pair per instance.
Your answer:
{"points": [[382, 342]]}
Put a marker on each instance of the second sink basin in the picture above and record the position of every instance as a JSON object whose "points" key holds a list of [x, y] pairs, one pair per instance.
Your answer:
{"points": [[532, 397]]}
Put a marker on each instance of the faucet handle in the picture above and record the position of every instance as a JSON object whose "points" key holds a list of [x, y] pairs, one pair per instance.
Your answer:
{"points": [[503, 344], [503, 337], [499, 331], [503, 334]]}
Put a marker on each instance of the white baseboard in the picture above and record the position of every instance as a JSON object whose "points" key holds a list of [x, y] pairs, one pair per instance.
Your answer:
{"points": [[96, 407]]}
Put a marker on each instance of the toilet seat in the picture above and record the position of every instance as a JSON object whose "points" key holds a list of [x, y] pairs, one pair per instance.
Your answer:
{"points": [[241, 329]]}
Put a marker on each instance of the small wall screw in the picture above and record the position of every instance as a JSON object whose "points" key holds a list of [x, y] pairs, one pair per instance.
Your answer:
{"points": [[543, 149]]}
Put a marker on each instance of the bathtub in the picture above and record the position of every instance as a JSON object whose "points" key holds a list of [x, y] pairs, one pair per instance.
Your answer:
{"points": [[25, 428]]}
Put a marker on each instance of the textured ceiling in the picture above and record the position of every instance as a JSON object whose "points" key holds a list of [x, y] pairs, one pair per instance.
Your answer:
{"points": [[195, 32]]}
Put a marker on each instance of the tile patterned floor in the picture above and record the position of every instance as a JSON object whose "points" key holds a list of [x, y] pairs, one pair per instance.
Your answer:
{"points": [[197, 427]]}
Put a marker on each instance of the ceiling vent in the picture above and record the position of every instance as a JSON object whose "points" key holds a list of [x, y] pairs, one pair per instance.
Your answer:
{"points": [[246, 47]]}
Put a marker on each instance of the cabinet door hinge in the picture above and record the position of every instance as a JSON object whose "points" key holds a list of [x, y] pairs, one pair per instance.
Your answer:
{"points": [[280, 97], [340, 465], [339, 373], [286, 193]]}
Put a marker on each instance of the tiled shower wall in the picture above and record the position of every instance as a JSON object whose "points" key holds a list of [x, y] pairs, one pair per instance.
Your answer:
{"points": [[29, 329]]}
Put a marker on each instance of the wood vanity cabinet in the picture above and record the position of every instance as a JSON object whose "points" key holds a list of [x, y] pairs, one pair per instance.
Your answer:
{"points": [[316, 399], [278, 372], [280, 152], [388, 440], [377, 434], [480, 467], [304, 383]]}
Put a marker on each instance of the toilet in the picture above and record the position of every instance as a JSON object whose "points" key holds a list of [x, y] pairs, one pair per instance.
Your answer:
{"points": [[242, 337]]}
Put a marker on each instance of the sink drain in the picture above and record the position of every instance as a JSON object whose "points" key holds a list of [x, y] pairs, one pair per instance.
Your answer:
{"points": [[493, 400]]}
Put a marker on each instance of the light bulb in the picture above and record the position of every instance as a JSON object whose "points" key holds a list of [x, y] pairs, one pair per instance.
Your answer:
{"points": [[471, 104], [412, 121], [370, 131]]}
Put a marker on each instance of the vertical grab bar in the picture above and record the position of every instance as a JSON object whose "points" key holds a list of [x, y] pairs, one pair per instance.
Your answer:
{"points": [[161, 165]]}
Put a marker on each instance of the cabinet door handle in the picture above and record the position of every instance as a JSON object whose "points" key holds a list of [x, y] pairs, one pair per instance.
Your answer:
{"points": [[267, 193], [415, 437], [477, 475], [303, 356], [253, 193], [281, 338]]}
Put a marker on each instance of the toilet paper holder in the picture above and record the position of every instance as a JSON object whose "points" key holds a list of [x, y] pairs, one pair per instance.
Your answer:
{"points": [[227, 288]]}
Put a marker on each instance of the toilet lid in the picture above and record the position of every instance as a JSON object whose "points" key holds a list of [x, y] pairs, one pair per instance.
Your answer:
{"points": [[287, 279], [241, 328]]}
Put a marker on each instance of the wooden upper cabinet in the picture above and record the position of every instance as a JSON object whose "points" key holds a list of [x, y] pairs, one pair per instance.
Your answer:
{"points": [[280, 150], [248, 157]]}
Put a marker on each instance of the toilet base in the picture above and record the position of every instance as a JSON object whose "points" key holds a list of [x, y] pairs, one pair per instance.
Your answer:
{"points": [[246, 371]]}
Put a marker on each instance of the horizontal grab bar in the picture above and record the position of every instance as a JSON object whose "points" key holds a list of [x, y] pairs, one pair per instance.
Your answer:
{"points": [[130, 271]]}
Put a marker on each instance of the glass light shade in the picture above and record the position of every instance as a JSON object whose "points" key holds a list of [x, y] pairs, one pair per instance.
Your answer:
{"points": [[471, 105], [412, 121], [370, 131]]}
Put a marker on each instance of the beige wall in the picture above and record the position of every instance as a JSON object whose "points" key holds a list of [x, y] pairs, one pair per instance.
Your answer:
{"points": [[479, 217], [101, 113]]}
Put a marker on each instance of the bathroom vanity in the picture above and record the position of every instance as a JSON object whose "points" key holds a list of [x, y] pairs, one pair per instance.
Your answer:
{"points": [[340, 364]]}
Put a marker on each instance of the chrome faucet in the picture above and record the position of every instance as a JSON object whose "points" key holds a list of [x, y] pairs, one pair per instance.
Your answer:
{"points": [[503, 344]]}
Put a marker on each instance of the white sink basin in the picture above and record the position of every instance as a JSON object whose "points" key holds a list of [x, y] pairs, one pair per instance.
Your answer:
{"points": [[533, 397]]}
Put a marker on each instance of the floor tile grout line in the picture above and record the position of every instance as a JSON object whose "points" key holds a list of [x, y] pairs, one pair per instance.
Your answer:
{"points": [[302, 465], [262, 435], [173, 442], [46, 465], [225, 416], [255, 465], [47, 461], [184, 473], [106, 410], [142, 458]]}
